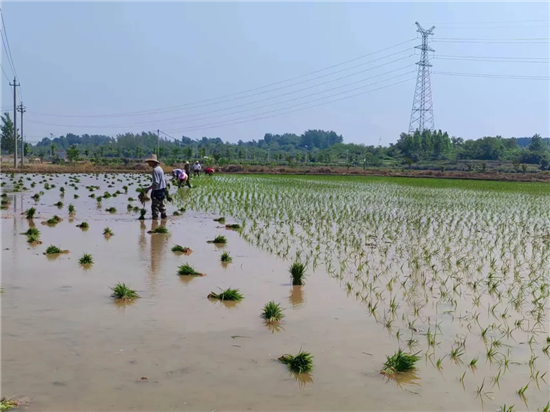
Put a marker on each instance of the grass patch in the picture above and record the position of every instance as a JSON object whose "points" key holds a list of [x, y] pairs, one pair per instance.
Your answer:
{"points": [[226, 258], [30, 212], [160, 230], [86, 259], [298, 272], [181, 249], [219, 240], [54, 250], [122, 292], [272, 312], [400, 362], [188, 270], [229, 294], [300, 363]]}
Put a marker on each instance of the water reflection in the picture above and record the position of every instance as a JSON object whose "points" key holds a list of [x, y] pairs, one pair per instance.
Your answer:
{"points": [[274, 326], [296, 297], [404, 378], [302, 378], [158, 249], [228, 304]]}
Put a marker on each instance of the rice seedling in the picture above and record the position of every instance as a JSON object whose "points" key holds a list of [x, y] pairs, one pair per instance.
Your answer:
{"points": [[272, 312], [188, 270], [219, 240], [159, 230], [505, 408], [76, 196], [35, 197], [83, 225], [399, 362], [234, 226], [7, 404], [32, 231], [59, 204], [86, 259], [111, 210], [30, 212], [107, 232], [300, 363], [220, 220], [142, 214], [226, 258], [131, 199], [229, 294], [33, 240], [181, 249], [54, 250], [298, 273], [72, 209], [521, 391], [53, 220], [123, 293]]}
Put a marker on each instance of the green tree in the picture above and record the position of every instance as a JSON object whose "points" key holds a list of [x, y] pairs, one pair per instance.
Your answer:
{"points": [[8, 142], [537, 144], [73, 153], [87, 152], [26, 149]]}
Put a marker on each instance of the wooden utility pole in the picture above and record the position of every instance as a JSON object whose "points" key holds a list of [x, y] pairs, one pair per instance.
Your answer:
{"points": [[15, 85], [158, 143], [22, 109]]}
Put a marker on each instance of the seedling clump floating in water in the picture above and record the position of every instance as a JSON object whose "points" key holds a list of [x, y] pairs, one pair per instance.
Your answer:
{"points": [[400, 362], [83, 225], [219, 240], [298, 273], [29, 213], [272, 312], [122, 292], [7, 404], [226, 258], [108, 232], [300, 363], [86, 259], [181, 249], [142, 213], [72, 210], [228, 294], [159, 230], [59, 204], [188, 270], [111, 210], [54, 250], [220, 220], [234, 226]]}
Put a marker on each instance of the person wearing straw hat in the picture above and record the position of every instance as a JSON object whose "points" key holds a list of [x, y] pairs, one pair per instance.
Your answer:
{"points": [[158, 188]]}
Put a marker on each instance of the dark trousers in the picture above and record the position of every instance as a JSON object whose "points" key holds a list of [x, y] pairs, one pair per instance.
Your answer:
{"points": [[158, 203]]}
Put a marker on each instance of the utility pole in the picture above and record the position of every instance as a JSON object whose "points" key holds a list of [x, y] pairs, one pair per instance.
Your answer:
{"points": [[15, 85], [422, 116], [22, 109], [158, 142]]}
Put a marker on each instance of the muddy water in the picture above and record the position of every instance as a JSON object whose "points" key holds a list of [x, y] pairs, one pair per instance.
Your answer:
{"points": [[68, 347]]}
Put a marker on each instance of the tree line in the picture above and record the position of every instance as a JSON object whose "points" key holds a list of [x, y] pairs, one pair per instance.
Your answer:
{"points": [[312, 146]]}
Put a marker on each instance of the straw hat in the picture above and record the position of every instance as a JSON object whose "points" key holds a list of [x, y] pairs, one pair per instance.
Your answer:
{"points": [[186, 163], [152, 158]]}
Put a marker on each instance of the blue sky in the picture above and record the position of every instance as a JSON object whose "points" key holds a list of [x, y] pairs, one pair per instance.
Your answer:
{"points": [[104, 58]]}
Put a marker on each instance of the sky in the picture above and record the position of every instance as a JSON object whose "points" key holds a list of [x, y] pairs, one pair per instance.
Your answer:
{"points": [[188, 68]]}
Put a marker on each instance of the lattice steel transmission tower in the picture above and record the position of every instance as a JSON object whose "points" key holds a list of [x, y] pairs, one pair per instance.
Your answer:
{"points": [[422, 115]]}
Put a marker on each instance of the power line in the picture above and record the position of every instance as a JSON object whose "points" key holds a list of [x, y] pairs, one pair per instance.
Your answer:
{"points": [[496, 76], [5, 34], [492, 60], [3, 71], [491, 22], [193, 104], [242, 120], [178, 119], [493, 57]]}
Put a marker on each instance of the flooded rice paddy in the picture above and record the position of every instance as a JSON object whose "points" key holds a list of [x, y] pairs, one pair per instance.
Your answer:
{"points": [[455, 271]]}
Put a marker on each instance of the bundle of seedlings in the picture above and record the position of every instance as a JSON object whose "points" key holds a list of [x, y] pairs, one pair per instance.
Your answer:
{"points": [[220, 220], [86, 260], [272, 312], [107, 232], [54, 250], [300, 363], [400, 362], [226, 258], [181, 249], [229, 294], [111, 210], [52, 221], [123, 293], [234, 226], [159, 230], [188, 270], [219, 240], [29, 213], [298, 272], [83, 225]]}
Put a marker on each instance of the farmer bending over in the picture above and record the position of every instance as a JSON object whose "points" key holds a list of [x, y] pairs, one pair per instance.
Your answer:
{"points": [[181, 178], [158, 188]]}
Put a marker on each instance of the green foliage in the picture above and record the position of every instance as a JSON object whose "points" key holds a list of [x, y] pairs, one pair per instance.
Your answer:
{"points": [[6, 134], [187, 270], [400, 362], [272, 312], [53, 250], [73, 153], [122, 292], [7, 404], [298, 272], [219, 240], [160, 230], [83, 225], [30, 212], [300, 363], [226, 258], [72, 209], [228, 294], [32, 231], [86, 259], [180, 249], [108, 232]]}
